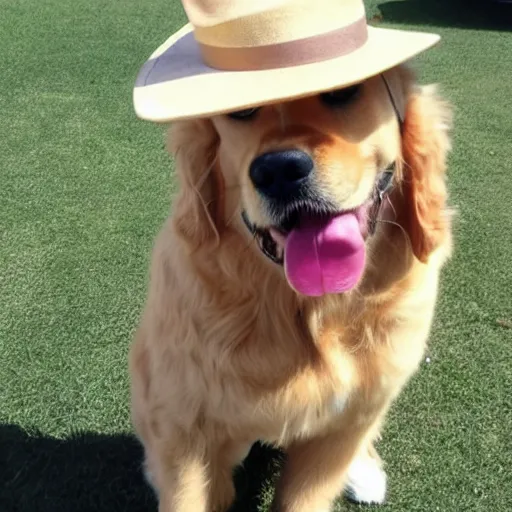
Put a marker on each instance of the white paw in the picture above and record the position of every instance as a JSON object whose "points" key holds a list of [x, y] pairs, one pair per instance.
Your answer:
{"points": [[366, 481]]}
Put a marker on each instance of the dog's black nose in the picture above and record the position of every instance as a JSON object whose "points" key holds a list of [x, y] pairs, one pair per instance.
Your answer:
{"points": [[281, 174]]}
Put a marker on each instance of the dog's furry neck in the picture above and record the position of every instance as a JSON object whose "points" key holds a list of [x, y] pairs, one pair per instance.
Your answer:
{"points": [[234, 271]]}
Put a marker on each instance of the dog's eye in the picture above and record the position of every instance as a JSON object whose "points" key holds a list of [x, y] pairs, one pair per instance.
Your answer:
{"points": [[245, 114], [340, 97]]}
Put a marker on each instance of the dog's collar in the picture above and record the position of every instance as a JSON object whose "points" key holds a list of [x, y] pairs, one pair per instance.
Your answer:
{"points": [[269, 247]]}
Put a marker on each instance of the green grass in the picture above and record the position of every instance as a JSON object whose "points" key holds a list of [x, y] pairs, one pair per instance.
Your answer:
{"points": [[84, 186]]}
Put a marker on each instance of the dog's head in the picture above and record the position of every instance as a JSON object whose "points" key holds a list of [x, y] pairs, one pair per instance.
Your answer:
{"points": [[303, 174]]}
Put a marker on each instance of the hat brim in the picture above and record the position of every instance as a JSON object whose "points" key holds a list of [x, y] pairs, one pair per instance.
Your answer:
{"points": [[175, 84]]}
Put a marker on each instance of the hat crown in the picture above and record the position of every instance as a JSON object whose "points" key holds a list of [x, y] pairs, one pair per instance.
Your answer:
{"points": [[234, 23], [262, 34], [204, 13]]}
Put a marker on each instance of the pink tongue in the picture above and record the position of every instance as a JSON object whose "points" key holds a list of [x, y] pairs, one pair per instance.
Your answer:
{"points": [[325, 255]]}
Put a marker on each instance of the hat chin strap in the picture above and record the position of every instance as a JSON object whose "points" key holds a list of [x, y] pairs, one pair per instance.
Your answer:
{"points": [[398, 106]]}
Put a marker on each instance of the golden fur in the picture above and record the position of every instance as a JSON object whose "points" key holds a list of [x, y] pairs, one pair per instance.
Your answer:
{"points": [[227, 353]]}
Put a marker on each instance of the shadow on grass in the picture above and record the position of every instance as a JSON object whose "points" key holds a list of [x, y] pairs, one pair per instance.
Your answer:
{"points": [[471, 14], [100, 473]]}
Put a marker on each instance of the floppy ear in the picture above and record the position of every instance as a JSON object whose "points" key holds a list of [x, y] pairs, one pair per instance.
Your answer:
{"points": [[197, 209], [425, 145]]}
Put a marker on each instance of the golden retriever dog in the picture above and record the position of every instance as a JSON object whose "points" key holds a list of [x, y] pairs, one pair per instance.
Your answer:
{"points": [[249, 335]]}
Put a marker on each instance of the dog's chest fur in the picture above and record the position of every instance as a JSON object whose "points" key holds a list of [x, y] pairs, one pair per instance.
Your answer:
{"points": [[298, 378]]}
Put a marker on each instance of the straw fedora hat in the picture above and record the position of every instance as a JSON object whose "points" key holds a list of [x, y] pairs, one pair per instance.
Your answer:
{"points": [[236, 54]]}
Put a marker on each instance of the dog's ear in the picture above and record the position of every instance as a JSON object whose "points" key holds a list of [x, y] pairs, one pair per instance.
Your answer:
{"points": [[425, 145], [198, 206]]}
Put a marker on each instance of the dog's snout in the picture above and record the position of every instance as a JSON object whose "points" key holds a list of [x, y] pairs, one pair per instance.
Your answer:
{"points": [[281, 174]]}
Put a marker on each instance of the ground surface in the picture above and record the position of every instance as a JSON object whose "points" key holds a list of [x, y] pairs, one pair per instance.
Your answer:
{"points": [[84, 186]]}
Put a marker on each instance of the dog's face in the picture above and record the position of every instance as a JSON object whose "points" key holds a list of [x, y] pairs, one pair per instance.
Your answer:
{"points": [[304, 173], [317, 155], [307, 171]]}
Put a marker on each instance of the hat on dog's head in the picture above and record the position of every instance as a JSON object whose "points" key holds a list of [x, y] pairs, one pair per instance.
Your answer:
{"points": [[237, 54]]}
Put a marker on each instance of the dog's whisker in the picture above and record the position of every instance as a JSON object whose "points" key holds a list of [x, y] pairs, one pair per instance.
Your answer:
{"points": [[404, 232], [231, 218], [393, 223], [204, 176], [250, 243], [388, 200]]}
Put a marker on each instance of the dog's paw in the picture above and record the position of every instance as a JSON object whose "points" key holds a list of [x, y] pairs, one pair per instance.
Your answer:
{"points": [[366, 481]]}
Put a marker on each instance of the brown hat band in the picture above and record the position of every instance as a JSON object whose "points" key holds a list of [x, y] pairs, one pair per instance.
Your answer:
{"points": [[329, 45]]}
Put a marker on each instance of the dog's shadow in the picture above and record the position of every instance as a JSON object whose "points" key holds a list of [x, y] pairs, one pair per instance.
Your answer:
{"points": [[100, 473]]}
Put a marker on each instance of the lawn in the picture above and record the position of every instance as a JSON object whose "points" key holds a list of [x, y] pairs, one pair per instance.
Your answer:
{"points": [[84, 186]]}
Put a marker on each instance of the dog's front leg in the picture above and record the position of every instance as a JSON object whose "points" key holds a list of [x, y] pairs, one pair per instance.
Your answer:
{"points": [[190, 479], [182, 483], [316, 470]]}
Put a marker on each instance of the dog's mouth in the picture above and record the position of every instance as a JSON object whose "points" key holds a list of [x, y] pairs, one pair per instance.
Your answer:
{"points": [[305, 214], [323, 251]]}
